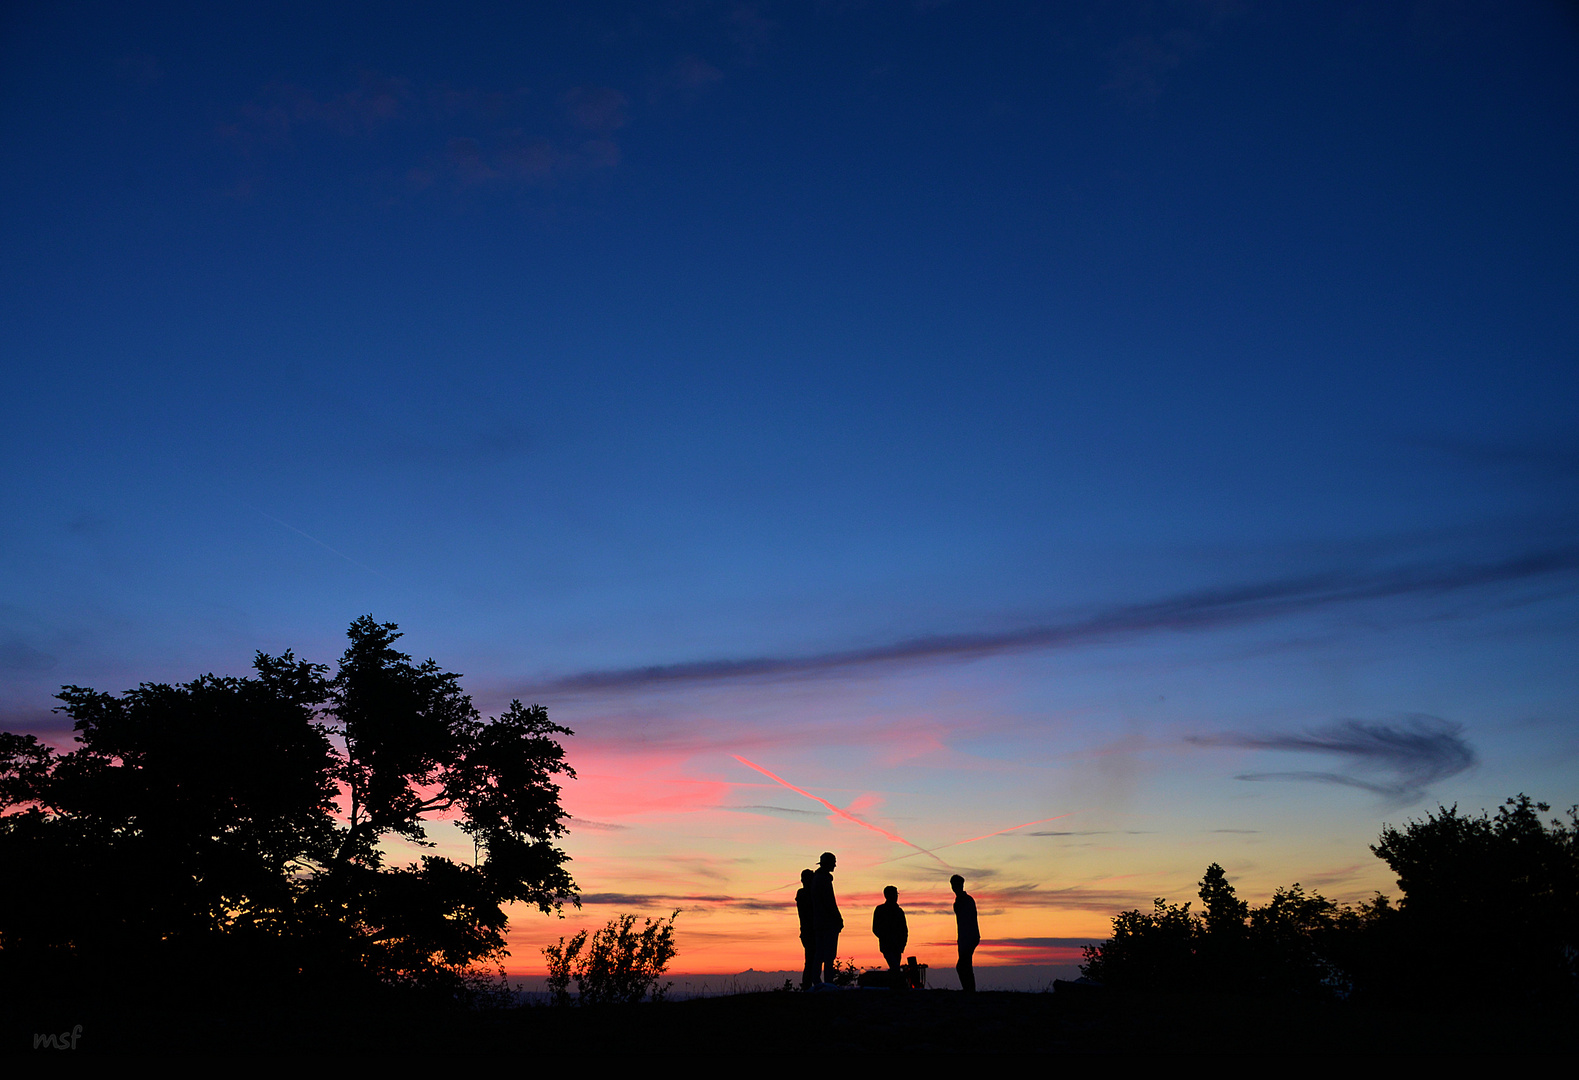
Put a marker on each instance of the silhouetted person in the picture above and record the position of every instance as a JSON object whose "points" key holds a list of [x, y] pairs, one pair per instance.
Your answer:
{"points": [[888, 923], [808, 929], [969, 933], [826, 920]]}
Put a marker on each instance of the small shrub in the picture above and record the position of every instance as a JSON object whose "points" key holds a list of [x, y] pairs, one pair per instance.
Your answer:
{"points": [[616, 964]]}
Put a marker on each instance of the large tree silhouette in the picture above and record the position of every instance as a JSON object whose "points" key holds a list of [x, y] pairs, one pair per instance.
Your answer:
{"points": [[247, 814], [1510, 880]]}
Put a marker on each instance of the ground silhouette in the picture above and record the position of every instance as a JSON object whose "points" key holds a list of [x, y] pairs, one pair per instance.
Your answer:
{"points": [[846, 1022]]}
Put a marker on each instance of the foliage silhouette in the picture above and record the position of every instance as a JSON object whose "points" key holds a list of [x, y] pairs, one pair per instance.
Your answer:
{"points": [[203, 819], [1152, 949], [845, 972], [1221, 947], [1509, 875], [619, 965], [1286, 946], [1222, 910]]}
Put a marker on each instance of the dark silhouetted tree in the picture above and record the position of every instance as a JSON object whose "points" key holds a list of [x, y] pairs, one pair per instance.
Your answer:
{"points": [[186, 811], [1289, 942], [1220, 942], [415, 746], [205, 818], [1154, 950], [1509, 878]]}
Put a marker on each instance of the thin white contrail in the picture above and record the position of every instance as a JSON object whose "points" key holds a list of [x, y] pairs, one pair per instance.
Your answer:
{"points": [[320, 543]]}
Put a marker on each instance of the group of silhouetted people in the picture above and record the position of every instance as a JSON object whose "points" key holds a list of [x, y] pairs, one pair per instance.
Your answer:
{"points": [[821, 923]]}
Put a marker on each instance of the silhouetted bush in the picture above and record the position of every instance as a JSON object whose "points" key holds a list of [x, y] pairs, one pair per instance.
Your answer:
{"points": [[1507, 876], [619, 964], [1151, 949], [1287, 946]]}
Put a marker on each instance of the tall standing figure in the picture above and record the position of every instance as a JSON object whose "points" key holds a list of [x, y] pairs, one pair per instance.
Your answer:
{"points": [[826, 919], [969, 933], [888, 923], [808, 929]]}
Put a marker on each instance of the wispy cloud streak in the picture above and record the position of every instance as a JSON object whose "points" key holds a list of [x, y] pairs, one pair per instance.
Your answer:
{"points": [[988, 836], [1203, 609], [1417, 750], [680, 900], [770, 810], [1010, 829]]}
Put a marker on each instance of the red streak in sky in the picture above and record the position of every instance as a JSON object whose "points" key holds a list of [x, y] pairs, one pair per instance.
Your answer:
{"points": [[845, 814]]}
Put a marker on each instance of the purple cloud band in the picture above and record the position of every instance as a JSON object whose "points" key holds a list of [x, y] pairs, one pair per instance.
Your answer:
{"points": [[1191, 611], [1415, 750]]}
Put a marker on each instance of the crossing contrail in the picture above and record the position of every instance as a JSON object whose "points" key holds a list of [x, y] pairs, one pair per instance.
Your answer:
{"points": [[845, 814]]}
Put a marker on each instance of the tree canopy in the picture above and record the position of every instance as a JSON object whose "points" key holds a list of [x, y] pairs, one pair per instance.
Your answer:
{"points": [[250, 813], [1508, 877]]}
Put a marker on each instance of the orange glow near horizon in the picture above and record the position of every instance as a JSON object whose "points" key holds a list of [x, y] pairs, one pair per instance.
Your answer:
{"points": [[676, 808]]}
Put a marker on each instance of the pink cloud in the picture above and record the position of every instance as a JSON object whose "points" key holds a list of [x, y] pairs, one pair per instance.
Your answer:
{"points": [[616, 787]]}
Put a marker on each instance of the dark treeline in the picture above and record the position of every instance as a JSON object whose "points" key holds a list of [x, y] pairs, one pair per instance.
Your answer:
{"points": [[1485, 898]]}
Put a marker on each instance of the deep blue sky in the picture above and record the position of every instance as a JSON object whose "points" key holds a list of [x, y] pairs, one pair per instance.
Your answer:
{"points": [[591, 337]]}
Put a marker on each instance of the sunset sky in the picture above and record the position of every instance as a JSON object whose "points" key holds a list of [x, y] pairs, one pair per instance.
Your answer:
{"points": [[1147, 432]]}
